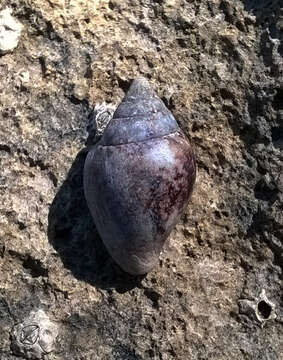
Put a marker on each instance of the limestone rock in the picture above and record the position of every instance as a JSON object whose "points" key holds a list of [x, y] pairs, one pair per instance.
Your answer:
{"points": [[217, 293]]}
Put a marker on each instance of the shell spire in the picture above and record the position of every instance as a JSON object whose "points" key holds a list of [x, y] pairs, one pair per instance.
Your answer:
{"points": [[140, 116], [140, 88]]}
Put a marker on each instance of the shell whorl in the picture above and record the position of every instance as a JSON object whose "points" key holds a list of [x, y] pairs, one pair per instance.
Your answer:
{"points": [[140, 116]]}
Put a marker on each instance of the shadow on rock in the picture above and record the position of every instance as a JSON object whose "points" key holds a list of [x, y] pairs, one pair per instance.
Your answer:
{"points": [[72, 233]]}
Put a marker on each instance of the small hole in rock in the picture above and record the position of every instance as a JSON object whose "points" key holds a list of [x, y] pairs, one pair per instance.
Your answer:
{"points": [[264, 191], [35, 267], [196, 127], [111, 5], [276, 133], [264, 309], [150, 353], [217, 214], [226, 94], [278, 100]]}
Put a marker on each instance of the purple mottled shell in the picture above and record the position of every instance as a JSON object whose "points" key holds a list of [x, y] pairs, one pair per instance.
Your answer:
{"points": [[138, 179]]}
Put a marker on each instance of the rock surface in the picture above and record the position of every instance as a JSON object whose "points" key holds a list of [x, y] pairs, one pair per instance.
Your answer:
{"points": [[217, 293]]}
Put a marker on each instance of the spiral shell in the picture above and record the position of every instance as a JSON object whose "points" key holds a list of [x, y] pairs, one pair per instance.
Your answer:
{"points": [[138, 179]]}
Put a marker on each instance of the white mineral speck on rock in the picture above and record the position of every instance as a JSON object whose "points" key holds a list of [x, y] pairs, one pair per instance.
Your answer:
{"points": [[10, 31]]}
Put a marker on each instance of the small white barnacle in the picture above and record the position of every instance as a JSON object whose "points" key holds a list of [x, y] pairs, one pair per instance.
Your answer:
{"points": [[10, 31]]}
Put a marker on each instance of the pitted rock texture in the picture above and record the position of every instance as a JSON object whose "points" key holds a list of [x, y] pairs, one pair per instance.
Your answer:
{"points": [[218, 67]]}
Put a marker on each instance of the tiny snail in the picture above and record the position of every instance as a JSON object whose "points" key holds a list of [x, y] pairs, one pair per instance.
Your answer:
{"points": [[138, 179]]}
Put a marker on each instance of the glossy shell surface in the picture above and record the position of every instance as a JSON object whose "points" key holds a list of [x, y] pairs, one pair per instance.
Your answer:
{"points": [[138, 179]]}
